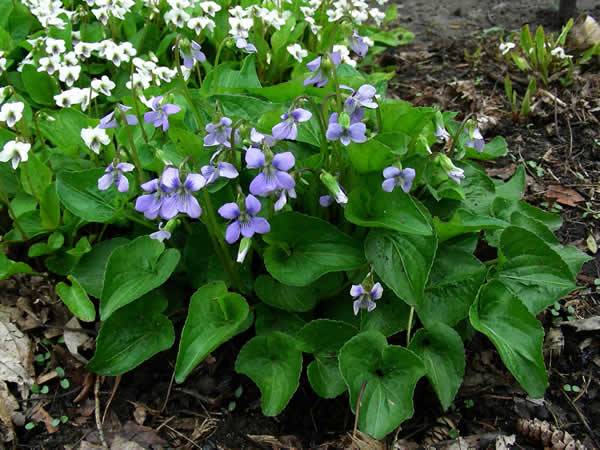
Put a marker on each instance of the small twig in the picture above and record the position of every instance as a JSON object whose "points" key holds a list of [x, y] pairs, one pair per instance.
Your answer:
{"points": [[182, 435], [357, 409], [582, 418], [112, 396], [164, 405], [97, 413]]}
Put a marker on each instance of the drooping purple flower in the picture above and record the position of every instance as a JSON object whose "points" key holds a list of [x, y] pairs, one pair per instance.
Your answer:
{"points": [[398, 177], [244, 45], [214, 171], [288, 127], [362, 98], [273, 174], [113, 174], [181, 198], [325, 201], [256, 137], [244, 223], [219, 133], [475, 140], [159, 116], [319, 78], [110, 121], [441, 134], [364, 299], [153, 203], [355, 132], [358, 45], [194, 55], [162, 234], [456, 174], [282, 196]]}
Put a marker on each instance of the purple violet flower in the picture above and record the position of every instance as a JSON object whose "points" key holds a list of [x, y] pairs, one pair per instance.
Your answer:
{"points": [[110, 121], [325, 201], [398, 177], [214, 171], [441, 134], [219, 133], [319, 78], [476, 141], [152, 203], [365, 299], [195, 55], [355, 132], [256, 137], [181, 198], [161, 234], [363, 98], [457, 174], [358, 45], [113, 174], [282, 198], [159, 116], [273, 173], [244, 45], [243, 222], [288, 128]]}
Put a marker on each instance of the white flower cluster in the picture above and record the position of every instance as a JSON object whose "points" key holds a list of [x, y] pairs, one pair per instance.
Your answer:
{"points": [[197, 16], [15, 150], [358, 11], [105, 9], [48, 12]]}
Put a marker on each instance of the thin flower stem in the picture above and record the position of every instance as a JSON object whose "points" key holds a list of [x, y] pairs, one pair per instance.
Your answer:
{"points": [[221, 246], [459, 131], [133, 150], [136, 107], [409, 325], [133, 216], [322, 126], [219, 50], [379, 117], [185, 90], [338, 92]]}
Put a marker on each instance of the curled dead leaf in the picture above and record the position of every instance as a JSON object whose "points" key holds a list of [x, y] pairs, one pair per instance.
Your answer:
{"points": [[8, 407], [563, 195], [16, 355]]}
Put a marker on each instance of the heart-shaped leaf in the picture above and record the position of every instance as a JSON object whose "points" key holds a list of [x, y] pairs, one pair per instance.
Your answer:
{"points": [[214, 316], [387, 374], [515, 332], [325, 377], [443, 353], [133, 270], [403, 261], [77, 300], [274, 363], [392, 210], [304, 248], [132, 335]]}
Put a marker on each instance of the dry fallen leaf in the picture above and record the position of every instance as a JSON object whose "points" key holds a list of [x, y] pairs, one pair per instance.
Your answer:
{"points": [[589, 324], [592, 245], [39, 414], [504, 173], [16, 356], [74, 340], [8, 407], [563, 195]]}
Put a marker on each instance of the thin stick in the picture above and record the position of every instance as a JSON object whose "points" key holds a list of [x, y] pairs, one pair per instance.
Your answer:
{"points": [[357, 409], [97, 413], [112, 396], [409, 326], [164, 405]]}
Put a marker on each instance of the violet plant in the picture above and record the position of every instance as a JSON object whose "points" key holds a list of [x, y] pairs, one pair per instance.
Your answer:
{"points": [[238, 154]]}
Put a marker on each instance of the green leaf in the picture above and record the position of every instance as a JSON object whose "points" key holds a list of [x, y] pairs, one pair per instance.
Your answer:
{"points": [[78, 191], [514, 188], [8, 268], [90, 269], [389, 375], [132, 335], [77, 300], [304, 248], [325, 377], [454, 281], [479, 190], [392, 210], [532, 269], [133, 270], [63, 128], [402, 261], [274, 363], [214, 317], [443, 353], [493, 149], [40, 86], [269, 320], [370, 156], [324, 336], [35, 176], [515, 332], [50, 208], [463, 221]]}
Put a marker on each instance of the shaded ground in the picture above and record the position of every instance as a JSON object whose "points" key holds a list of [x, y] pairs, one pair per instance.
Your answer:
{"points": [[451, 64]]}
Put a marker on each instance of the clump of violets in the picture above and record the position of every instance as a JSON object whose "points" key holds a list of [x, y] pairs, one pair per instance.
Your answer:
{"points": [[394, 176], [345, 129], [288, 127], [114, 174], [364, 298], [192, 55], [273, 173], [243, 222], [159, 116]]}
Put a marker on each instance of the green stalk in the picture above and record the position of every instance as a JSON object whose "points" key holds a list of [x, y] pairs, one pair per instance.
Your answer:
{"points": [[133, 150], [409, 325], [185, 90], [219, 50], [218, 241]]}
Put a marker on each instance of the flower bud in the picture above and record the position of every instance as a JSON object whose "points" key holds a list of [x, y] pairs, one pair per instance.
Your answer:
{"points": [[245, 245], [332, 185]]}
